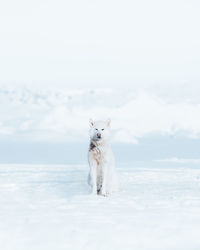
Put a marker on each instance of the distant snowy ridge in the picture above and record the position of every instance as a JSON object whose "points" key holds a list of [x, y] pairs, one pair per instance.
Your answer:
{"points": [[180, 160], [63, 114]]}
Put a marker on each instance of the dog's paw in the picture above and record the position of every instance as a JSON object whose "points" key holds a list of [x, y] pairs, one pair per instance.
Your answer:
{"points": [[105, 194]]}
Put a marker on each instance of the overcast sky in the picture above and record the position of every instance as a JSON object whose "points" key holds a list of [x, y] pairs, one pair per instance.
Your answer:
{"points": [[99, 43]]}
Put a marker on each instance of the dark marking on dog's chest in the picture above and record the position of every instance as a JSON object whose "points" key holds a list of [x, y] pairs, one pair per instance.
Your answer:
{"points": [[92, 146], [96, 153]]}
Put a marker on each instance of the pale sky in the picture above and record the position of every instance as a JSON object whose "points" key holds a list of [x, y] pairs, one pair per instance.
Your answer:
{"points": [[99, 43]]}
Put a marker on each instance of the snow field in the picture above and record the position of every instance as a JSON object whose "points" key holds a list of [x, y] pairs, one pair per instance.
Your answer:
{"points": [[44, 207]]}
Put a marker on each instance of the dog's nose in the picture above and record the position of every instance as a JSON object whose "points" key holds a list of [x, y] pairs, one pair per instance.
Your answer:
{"points": [[98, 135]]}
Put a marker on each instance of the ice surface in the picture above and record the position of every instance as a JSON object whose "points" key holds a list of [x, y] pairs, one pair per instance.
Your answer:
{"points": [[48, 207]]}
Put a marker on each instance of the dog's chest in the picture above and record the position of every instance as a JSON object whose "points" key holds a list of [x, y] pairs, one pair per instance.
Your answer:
{"points": [[98, 154]]}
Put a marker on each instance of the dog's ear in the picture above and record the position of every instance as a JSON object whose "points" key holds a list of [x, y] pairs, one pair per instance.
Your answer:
{"points": [[108, 122], [91, 123]]}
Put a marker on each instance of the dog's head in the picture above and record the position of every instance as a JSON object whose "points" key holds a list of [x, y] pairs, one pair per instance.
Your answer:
{"points": [[99, 130]]}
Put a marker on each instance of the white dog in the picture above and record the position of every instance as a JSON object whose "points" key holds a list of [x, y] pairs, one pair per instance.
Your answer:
{"points": [[102, 176]]}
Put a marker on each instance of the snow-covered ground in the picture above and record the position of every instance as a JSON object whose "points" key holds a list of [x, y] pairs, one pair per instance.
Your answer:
{"points": [[48, 207]]}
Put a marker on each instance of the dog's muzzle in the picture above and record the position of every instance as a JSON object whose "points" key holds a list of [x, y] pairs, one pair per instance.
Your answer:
{"points": [[98, 135]]}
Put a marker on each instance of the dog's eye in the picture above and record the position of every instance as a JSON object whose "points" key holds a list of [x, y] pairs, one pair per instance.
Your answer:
{"points": [[96, 128], [102, 129]]}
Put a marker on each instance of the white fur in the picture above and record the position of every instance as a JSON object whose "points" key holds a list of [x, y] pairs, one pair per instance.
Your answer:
{"points": [[102, 176]]}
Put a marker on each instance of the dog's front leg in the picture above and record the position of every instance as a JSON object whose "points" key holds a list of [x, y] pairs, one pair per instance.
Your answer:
{"points": [[94, 178], [104, 181]]}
